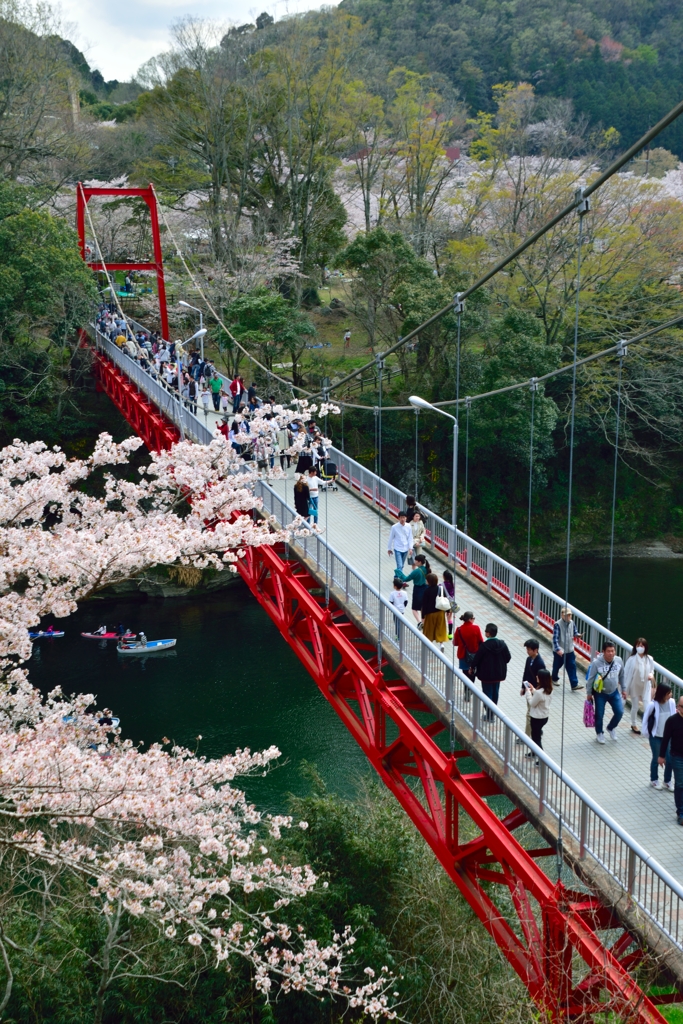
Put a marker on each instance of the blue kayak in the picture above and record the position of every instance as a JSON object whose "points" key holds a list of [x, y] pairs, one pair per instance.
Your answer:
{"points": [[45, 633], [151, 647]]}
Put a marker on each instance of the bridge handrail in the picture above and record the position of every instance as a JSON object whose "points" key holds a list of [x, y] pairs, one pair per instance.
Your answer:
{"points": [[644, 881], [524, 594], [157, 392]]}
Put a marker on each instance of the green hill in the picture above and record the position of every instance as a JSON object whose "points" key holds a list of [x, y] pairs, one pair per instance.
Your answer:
{"points": [[620, 61]]}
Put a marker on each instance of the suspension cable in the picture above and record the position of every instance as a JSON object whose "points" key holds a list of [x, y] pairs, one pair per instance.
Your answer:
{"points": [[582, 208], [523, 246], [533, 388], [612, 350], [215, 315], [614, 487]]}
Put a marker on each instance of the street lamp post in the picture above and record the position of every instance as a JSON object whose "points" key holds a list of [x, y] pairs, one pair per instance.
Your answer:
{"points": [[198, 334], [420, 403], [201, 332]]}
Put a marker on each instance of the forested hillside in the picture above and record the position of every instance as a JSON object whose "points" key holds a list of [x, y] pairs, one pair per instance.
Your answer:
{"points": [[620, 62]]}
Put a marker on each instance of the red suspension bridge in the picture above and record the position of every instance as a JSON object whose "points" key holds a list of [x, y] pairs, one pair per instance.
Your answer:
{"points": [[577, 937]]}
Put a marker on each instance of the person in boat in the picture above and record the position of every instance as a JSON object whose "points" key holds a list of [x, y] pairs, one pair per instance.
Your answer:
{"points": [[101, 631], [106, 718], [142, 642], [121, 630], [50, 629]]}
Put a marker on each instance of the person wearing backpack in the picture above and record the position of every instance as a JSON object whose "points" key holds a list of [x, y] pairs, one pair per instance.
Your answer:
{"points": [[468, 639], [604, 681]]}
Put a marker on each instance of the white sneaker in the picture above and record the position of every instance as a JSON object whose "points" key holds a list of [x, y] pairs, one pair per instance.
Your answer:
{"points": [[670, 786], [600, 737], [656, 785], [612, 733]]}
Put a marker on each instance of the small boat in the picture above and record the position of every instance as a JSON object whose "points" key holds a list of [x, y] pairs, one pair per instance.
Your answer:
{"points": [[108, 636], [72, 719], [151, 647], [45, 633]]}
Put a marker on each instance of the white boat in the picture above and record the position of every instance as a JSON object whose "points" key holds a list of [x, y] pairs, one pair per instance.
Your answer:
{"points": [[151, 647]]}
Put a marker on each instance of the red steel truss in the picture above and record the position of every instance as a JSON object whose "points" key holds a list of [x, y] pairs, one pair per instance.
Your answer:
{"points": [[148, 195], [552, 941], [146, 420]]}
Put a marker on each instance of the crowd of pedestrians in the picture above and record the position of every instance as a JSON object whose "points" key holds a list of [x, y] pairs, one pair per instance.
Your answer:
{"points": [[609, 682]]}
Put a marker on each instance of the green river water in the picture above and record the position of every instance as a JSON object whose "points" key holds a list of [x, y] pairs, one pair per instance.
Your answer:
{"points": [[233, 680]]}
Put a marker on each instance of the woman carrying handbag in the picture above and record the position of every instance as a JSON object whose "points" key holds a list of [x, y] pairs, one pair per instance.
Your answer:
{"points": [[435, 603]]}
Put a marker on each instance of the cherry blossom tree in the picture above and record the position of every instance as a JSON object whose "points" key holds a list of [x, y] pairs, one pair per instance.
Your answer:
{"points": [[159, 836]]}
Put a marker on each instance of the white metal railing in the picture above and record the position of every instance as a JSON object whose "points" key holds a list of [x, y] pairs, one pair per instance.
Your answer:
{"points": [[163, 397], [642, 879], [523, 594]]}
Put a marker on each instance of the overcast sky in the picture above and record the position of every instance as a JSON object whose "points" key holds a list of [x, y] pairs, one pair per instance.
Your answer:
{"points": [[117, 38]]}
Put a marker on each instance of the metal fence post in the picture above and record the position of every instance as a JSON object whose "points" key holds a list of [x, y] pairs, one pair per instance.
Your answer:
{"points": [[468, 548], [476, 715], [364, 601], [348, 580], [583, 837], [631, 871], [512, 579], [423, 663], [542, 783], [508, 751], [489, 573], [537, 605]]}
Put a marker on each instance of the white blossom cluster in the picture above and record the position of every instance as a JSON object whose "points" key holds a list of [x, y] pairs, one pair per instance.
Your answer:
{"points": [[160, 833]]}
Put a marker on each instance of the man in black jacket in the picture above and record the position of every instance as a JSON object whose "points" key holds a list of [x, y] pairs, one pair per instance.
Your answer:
{"points": [[490, 665], [673, 734]]}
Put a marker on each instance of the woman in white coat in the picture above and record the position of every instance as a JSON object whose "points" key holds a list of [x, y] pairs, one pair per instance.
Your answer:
{"points": [[639, 677]]}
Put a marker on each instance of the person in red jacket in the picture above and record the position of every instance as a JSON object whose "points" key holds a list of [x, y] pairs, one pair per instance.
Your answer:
{"points": [[467, 638]]}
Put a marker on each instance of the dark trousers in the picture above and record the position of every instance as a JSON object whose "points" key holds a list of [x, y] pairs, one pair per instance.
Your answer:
{"points": [[655, 744], [216, 396], [492, 690], [569, 660], [677, 765], [537, 730]]}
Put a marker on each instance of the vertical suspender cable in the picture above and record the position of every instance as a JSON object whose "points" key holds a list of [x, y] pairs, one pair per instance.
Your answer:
{"points": [[380, 371], [533, 388], [582, 208], [342, 430], [622, 353], [468, 403], [459, 307]]}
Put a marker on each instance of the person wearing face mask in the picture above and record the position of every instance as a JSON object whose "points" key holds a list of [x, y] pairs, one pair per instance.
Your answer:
{"points": [[639, 676], [672, 743]]}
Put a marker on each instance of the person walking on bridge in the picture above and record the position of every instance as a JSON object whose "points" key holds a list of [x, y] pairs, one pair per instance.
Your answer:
{"points": [[604, 682], [564, 634], [672, 744], [418, 577], [538, 698], [490, 665], [434, 618], [639, 677], [657, 714], [400, 541], [468, 639]]}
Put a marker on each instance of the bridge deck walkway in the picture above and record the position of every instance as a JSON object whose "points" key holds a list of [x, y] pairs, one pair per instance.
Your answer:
{"points": [[616, 775]]}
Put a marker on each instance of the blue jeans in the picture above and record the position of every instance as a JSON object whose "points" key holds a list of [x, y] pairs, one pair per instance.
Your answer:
{"points": [[615, 702], [677, 765], [570, 661], [313, 508], [655, 744], [491, 690], [400, 557]]}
